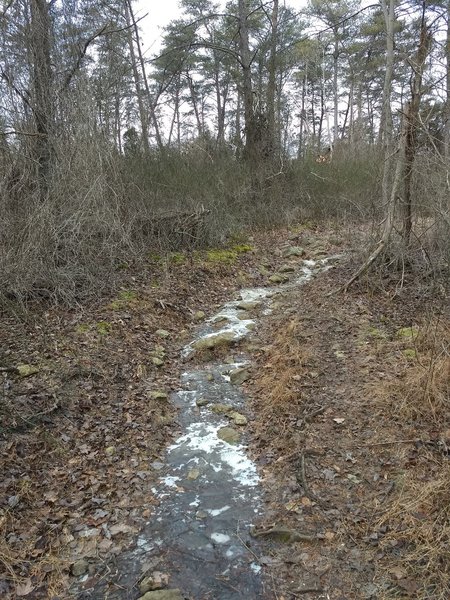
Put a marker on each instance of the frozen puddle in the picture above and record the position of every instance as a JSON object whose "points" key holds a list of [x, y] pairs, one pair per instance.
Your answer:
{"points": [[209, 493]]}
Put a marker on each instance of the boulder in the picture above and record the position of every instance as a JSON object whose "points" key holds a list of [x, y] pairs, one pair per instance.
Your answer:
{"points": [[293, 251], [225, 338], [229, 435], [251, 305], [163, 595], [238, 419], [238, 376], [278, 278]]}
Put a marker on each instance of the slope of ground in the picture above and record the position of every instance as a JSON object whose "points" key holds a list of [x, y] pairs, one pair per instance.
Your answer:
{"points": [[352, 426]]}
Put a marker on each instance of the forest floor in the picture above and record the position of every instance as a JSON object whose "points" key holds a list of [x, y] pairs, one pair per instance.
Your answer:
{"points": [[350, 424]]}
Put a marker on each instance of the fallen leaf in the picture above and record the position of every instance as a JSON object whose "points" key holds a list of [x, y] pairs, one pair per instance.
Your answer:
{"points": [[25, 588]]}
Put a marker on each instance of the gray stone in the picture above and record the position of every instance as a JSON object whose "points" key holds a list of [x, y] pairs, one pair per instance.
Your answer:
{"points": [[80, 567], [278, 278], [221, 409], [226, 338], [287, 269], [201, 402], [162, 333], [156, 581], [158, 395], [238, 376], [162, 595], [293, 251], [238, 418], [229, 435], [248, 305]]}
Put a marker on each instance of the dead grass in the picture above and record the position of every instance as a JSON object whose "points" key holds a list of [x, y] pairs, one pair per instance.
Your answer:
{"points": [[418, 522], [418, 514], [422, 391]]}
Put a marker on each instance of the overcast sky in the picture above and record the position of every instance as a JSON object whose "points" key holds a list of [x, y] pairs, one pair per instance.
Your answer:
{"points": [[160, 12]]}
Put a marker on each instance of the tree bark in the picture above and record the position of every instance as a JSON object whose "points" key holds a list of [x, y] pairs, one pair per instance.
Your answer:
{"points": [[43, 99], [137, 83], [271, 84], [250, 128], [151, 106], [411, 115]]}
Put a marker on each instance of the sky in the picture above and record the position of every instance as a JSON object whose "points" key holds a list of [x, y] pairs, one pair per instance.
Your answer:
{"points": [[160, 12]]}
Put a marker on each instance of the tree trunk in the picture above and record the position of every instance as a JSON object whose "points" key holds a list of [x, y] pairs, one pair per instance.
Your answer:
{"points": [[43, 99], [335, 87], [250, 126], [194, 104], [385, 131], [271, 84], [151, 106], [137, 83], [447, 84], [411, 116]]}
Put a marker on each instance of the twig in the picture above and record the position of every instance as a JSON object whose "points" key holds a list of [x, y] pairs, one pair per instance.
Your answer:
{"points": [[9, 370], [302, 477]]}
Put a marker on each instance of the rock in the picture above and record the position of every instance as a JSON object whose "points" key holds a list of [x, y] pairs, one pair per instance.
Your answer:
{"points": [[162, 333], [238, 376], [201, 402], [248, 305], [158, 395], [293, 251], [264, 270], [162, 595], [27, 370], [201, 514], [278, 278], [226, 338], [193, 474], [110, 451], [250, 326], [238, 418], [80, 567], [156, 581], [221, 409], [199, 315], [287, 269], [158, 362], [229, 435]]}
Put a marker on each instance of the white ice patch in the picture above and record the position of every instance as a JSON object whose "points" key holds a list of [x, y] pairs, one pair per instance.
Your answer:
{"points": [[220, 538], [170, 480], [215, 512], [203, 438], [188, 396], [255, 568]]}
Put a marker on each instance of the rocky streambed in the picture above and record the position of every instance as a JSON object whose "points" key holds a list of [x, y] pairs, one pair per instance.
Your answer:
{"points": [[197, 542]]}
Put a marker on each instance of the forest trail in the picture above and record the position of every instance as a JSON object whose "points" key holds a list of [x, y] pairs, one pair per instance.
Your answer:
{"points": [[283, 455]]}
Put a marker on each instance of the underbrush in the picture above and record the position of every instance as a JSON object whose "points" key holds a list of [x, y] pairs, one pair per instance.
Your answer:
{"points": [[417, 517], [105, 212]]}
